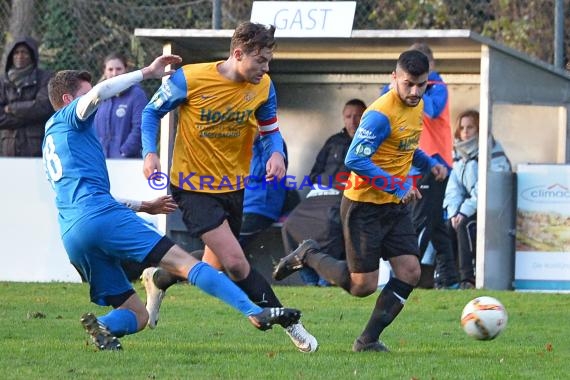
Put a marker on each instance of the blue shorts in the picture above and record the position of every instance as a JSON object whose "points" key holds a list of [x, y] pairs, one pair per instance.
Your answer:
{"points": [[97, 244]]}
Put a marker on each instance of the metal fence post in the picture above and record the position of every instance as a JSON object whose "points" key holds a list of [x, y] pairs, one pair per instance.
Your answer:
{"points": [[216, 14]]}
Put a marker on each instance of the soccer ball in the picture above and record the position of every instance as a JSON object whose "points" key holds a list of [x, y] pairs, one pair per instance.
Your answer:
{"points": [[484, 318]]}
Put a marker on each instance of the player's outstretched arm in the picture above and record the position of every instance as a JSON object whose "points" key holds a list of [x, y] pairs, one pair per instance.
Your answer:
{"points": [[113, 86], [161, 205], [157, 68]]}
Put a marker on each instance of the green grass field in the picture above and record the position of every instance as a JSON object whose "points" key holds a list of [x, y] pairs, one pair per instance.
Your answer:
{"points": [[200, 338]]}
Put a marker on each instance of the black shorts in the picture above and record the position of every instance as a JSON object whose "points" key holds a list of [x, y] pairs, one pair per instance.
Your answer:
{"points": [[373, 231], [203, 212]]}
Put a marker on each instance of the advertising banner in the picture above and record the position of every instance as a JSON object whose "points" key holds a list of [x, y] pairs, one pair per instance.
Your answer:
{"points": [[542, 261]]}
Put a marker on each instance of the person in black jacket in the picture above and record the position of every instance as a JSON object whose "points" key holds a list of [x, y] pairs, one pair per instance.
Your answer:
{"points": [[24, 102], [318, 216]]}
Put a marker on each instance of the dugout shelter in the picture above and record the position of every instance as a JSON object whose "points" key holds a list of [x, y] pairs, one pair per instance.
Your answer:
{"points": [[523, 101]]}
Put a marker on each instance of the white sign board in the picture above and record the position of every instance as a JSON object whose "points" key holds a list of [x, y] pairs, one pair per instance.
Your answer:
{"points": [[542, 259], [31, 244], [307, 18]]}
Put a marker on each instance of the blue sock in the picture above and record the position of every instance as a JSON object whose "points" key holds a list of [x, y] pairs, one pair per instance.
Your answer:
{"points": [[120, 322], [217, 284]]}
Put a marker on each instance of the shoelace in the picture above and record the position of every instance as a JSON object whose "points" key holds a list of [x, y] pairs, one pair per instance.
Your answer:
{"points": [[298, 264], [98, 327], [295, 330], [103, 329], [298, 334]]}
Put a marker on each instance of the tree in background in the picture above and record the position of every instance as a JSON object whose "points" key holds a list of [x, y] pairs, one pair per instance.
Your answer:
{"points": [[20, 22], [62, 42], [428, 14], [526, 25], [79, 33]]}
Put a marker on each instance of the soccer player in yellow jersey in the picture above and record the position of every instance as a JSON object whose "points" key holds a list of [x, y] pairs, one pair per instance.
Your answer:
{"points": [[222, 106], [374, 208]]}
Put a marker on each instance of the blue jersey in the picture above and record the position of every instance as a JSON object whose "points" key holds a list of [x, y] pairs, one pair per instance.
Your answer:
{"points": [[75, 165]]}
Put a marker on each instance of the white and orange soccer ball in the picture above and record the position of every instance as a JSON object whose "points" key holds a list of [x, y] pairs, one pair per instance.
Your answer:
{"points": [[484, 318]]}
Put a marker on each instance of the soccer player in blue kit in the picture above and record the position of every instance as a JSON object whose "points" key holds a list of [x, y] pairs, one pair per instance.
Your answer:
{"points": [[98, 232]]}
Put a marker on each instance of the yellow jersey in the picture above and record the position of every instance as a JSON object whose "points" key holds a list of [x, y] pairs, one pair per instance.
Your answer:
{"points": [[217, 122], [381, 153]]}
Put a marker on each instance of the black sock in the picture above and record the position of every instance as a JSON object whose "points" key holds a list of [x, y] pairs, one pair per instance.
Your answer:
{"points": [[333, 270], [164, 279], [388, 305], [258, 290]]}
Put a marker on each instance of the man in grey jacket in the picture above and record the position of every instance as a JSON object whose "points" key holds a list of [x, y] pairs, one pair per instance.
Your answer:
{"points": [[24, 103]]}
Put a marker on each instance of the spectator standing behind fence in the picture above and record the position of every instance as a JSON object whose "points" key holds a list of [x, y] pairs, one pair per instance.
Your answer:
{"points": [[460, 200], [24, 101], [318, 216], [118, 120]]}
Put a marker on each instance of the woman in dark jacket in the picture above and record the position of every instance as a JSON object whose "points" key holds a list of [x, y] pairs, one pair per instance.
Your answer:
{"points": [[24, 103]]}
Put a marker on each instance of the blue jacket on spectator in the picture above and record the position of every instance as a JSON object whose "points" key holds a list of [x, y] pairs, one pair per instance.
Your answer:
{"points": [[462, 189], [260, 197]]}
